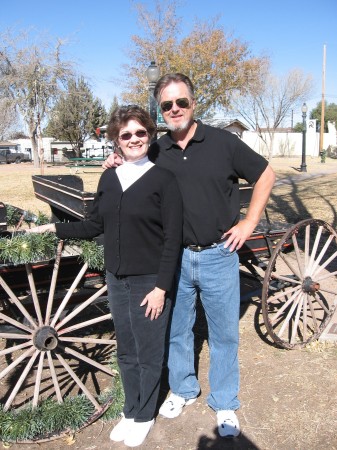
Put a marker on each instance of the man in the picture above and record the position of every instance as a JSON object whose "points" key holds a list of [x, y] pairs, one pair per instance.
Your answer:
{"points": [[208, 163]]}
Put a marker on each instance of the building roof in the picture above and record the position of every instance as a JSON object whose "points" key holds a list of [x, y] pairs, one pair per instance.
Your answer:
{"points": [[232, 125], [7, 144]]}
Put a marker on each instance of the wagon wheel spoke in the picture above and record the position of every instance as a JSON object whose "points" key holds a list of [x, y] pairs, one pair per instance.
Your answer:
{"points": [[21, 380], [294, 317], [69, 294], [285, 305], [15, 336], [321, 255], [305, 317], [329, 275], [286, 278], [313, 315], [90, 361], [78, 381], [298, 256], [14, 322], [17, 302], [281, 294], [88, 340], [34, 293], [326, 263], [81, 307], [291, 267], [84, 324], [38, 379], [285, 324], [15, 348], [314, 250], [15, 363], [306, 245], [321, 304], [53, 282], [297, 318], [54, 378]]}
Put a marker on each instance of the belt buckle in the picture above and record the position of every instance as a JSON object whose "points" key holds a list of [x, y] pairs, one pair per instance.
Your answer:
{"points": [[195, 248]]}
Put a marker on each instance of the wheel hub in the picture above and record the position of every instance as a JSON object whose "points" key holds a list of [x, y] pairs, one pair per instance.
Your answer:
{"points": [[45, 338], [309, 286]]}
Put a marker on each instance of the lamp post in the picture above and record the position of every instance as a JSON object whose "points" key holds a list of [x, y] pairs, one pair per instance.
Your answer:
{"points": [[304, 131], [152, 75]]}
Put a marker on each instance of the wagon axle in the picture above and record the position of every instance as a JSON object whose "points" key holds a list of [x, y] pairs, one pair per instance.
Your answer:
{"points": [[309, 286], [45, 338]]}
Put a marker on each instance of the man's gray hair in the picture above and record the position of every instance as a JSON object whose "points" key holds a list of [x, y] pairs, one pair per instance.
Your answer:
{"points": [[169, 78]]}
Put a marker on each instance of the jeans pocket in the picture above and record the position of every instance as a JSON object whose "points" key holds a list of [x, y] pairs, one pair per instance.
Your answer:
{"points": [[224, 251]]}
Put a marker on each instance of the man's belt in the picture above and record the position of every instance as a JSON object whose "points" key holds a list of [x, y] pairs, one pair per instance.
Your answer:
{"points": [[200, 248]]}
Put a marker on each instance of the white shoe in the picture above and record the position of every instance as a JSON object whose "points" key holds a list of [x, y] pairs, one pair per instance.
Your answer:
{"points": [[228, 423], [173, 406], [137, 433], [121, 430]]}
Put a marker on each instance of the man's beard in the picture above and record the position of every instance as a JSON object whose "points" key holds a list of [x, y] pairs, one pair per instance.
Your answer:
{"points": [[181, 127]]}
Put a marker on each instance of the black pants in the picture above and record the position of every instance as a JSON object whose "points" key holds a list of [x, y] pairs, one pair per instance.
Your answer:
{"points": [[140, 343]]}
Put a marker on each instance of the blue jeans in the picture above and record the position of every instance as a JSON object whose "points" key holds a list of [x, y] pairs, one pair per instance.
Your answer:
{"points": [[214, 274], [140, 343]]}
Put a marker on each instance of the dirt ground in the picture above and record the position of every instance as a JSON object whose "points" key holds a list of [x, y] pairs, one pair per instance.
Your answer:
{"points": [[288, 398]]}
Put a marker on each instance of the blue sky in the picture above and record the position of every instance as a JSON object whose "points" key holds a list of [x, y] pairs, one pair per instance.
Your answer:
{"points": [[291, 32]]}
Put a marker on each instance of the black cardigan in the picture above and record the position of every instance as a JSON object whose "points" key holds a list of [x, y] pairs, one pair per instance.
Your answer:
{"points": [[142, 226]]}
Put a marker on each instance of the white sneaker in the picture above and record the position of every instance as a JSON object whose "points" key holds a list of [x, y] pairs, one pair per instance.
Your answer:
{"points": [[173, 406], [228, 423], [137, 433], [121, 430]]}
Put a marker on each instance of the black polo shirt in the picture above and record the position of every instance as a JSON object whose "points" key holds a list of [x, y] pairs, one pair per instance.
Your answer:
{"points": [[208, 173]]}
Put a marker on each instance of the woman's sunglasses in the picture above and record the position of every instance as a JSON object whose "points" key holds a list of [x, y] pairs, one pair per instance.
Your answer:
{"points": [[181, 102], [127, 136]]}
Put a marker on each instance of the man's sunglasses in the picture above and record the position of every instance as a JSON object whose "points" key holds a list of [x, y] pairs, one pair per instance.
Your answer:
{"points": [[181, 102], [127, 136]]}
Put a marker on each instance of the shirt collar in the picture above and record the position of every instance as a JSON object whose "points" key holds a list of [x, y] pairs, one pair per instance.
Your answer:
{"points": [[139, 162], [167, 142]]}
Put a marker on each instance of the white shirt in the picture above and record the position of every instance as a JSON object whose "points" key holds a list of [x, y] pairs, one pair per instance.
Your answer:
{"points": [[131, 171]]}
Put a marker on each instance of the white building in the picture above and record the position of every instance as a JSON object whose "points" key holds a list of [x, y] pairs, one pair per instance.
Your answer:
{"points": [[286, 143]]}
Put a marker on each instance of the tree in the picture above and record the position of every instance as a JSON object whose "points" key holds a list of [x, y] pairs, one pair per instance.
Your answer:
{"points": [[32, 77], [18, 135], [218, 64], [298, 127], [270, 99], [330, 114], [113, 106], [76, 115], [8, 118]]}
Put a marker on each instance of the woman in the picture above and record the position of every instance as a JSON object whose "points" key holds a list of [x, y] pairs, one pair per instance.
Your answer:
{"points": [[138, 206]]}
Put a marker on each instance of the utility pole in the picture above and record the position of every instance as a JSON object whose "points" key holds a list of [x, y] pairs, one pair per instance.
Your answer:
{"points": [[321, 134]]}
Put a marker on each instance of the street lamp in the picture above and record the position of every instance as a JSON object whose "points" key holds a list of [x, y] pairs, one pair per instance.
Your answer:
{"points": [[152, 74], [304, 130]]}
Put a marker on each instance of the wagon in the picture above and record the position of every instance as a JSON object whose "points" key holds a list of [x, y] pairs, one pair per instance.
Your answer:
{"points": [[58, 335]]}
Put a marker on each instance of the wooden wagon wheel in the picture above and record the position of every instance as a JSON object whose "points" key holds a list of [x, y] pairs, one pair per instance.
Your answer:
{"points": [[52, 351], [300, 286]]}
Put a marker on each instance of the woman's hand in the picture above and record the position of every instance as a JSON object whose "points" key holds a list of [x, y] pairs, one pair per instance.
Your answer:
{"points": [[49, 227], [155, 301], [113, 160]]}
